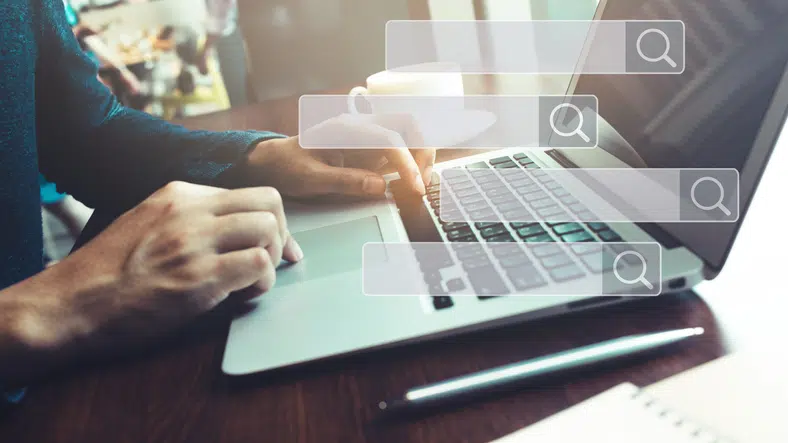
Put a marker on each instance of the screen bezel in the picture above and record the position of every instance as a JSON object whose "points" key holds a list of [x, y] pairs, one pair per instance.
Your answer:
{"points": [[698, 236]]}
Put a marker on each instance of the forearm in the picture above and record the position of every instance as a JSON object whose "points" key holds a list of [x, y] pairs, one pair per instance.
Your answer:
{"points": [[36, 330]]}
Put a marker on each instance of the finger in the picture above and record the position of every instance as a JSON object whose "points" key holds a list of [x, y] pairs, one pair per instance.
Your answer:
{"points": [[292, 250], [241, 269], [260, 199], [247, 230], [408, 169], [346, 181], [425, 158]]}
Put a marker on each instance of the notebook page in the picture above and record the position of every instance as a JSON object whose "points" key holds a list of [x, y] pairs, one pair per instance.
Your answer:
{"points": [[744, 396], [623, 414]]}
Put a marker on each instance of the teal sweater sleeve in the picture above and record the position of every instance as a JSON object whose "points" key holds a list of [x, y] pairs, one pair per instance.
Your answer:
{"points": [[104, 154]]}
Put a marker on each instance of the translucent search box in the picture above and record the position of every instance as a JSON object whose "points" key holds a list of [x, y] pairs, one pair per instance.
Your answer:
{"points": [[471, 121], [515, 193], [538, 47], [511, 269]]}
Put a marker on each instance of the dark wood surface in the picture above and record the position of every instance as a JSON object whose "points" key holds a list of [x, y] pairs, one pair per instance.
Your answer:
{"points": [[176, 392]]}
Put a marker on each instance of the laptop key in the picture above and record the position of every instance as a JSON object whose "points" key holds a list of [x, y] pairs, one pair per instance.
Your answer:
{"points": [[530, 231], [561, 192], [466, 193], [504, 199], [458, 233], [568, 199], [442, 302], [477, 165], [514, 261], [566, 273], [567, 228], [510, 165], [544, 238], [553, 212], [481, 261], [506, 250], [490, 185], [455, 284], [557, 260], [471, 199], [578, 207], [598, 226], [467, 239], [578, 237], [528, 188], [503, 238], [471, 252], [587, 216], [486, 282], [510, 206], [497, 192], [520, 156], [518, 214], [432, 276], [519, 225], [500, 160], [525, 278], [609, 236], [543, 203], [597, 264], [453, 226], [536, 196], [476, 206], [485, 215], [493, 231], [586, 248], [545, 251]]}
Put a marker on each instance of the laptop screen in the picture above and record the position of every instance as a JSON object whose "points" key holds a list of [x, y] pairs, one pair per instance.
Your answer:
{"points": [[709, 116]]}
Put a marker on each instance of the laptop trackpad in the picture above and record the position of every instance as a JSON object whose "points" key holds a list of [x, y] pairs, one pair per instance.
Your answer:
{"points": [[330, 250]]}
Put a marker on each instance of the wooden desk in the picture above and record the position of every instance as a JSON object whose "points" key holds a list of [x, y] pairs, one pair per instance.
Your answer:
{"points": [[176, 392]]}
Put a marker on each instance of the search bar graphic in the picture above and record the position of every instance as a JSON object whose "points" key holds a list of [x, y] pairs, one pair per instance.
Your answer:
{"points": [[538, 46], [469, 121], [521, 193], [511, 269]]}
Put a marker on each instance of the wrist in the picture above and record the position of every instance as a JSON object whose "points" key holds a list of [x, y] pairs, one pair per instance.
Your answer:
{"points": [[39, 318]]}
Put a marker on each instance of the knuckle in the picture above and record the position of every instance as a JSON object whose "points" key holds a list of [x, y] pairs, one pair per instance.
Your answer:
{"points": [[260, 259], [273, 195], [267, 281], [174, 188]]}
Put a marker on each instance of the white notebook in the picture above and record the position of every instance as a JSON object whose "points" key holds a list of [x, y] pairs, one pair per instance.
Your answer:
{"points": [[735, 399]]}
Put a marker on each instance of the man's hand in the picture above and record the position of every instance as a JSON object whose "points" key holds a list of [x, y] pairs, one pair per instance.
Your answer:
{"points": [[305, 173], [178, 254]]}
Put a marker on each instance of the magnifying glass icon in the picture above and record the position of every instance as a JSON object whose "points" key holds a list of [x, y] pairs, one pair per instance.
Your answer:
{"points": [[580, 120], [640, 278], [718, 204], [665, 53]]}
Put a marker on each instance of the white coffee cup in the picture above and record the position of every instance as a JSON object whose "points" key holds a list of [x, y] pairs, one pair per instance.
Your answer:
{"points": [[428, 80]]}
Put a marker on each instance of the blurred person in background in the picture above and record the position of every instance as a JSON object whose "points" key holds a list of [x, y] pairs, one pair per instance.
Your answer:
{"points": [[223, 35]]}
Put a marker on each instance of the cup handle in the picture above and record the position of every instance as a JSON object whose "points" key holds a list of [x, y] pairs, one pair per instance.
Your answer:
{"points": [[351, 98]]}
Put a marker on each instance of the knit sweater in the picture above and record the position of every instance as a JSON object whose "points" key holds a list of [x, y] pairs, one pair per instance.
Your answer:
{"points": [[56, 117]]}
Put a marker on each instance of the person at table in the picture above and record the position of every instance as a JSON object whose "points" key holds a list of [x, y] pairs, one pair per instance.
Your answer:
{"points": [[223, 35], [184, 242]]}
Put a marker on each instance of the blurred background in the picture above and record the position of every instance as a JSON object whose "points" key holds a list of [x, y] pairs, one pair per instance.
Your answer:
{"points": [[182, 58]]}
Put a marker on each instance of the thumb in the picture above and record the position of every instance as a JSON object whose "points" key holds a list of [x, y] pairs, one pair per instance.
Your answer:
{"points": [[347, 181]]}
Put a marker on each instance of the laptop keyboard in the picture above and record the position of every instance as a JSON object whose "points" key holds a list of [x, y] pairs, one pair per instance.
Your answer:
{"points": [[506, 269]]}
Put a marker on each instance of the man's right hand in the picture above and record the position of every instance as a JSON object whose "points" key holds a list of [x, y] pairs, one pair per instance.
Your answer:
{"points": [[178, 254]]}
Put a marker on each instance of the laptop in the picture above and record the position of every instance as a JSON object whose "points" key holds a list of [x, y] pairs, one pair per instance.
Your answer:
{"points": [[726, 111]]}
